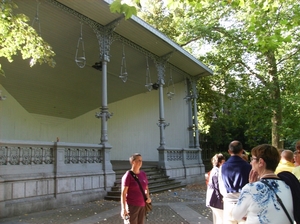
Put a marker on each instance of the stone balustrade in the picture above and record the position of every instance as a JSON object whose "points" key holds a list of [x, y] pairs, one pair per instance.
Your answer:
{"points": [[35, 176], [182, 163]]}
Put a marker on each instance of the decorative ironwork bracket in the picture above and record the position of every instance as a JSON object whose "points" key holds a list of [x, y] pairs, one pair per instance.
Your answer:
{"points": [[160, 63], [163, 124], [105, 38], [104, 33], [104, 114]]}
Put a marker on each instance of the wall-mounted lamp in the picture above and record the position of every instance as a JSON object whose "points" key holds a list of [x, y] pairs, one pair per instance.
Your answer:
{"points": [[98, 66], [155, 86]]}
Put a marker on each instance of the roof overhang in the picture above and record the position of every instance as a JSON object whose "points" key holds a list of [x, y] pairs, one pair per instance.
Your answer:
{"points": [[68, 91]]}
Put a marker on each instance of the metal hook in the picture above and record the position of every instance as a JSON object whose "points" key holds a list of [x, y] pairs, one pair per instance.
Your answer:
{"points": [[148, 84], [37, 19], [123, 74], [80, 60], [171, 94]]}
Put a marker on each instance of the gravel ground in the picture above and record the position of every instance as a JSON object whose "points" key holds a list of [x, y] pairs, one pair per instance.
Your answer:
{"points": [[192, 196]]}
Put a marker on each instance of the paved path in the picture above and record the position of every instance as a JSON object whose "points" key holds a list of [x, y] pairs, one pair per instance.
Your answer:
{"points": [[182, 206]]}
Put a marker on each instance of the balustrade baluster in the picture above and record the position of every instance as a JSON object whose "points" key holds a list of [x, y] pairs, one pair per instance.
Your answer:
{"points": [[8, 155], [20, 152], [43, 155], [32, 155]]}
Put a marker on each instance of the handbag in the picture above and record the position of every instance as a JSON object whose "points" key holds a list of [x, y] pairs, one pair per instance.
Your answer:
{"points": [[148, 206], [279, 200]]}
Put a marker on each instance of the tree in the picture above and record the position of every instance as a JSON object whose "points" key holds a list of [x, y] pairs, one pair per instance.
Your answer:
{"points": [[118, 7], [254, 47], [255, 42], [17, 36]]}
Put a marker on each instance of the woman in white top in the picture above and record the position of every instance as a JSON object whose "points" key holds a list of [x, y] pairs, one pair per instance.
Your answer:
{"points": [[257, 203], [214, 199]]}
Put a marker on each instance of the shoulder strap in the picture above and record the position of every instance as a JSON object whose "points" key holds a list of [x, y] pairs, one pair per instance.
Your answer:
{"points": [[279, 200], [137, 180]]}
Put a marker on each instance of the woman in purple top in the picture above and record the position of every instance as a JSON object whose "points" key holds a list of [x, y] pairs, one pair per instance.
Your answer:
{"points": [[132, 199]]}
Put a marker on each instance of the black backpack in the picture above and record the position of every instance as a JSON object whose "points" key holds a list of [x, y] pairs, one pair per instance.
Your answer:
{"points": [[294, 184]]}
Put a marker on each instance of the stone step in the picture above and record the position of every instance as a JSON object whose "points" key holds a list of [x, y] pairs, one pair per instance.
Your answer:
{"points": [[151, 180], [158, 182], [149, 171], [116, 196], [152, 183], [151, 175]]}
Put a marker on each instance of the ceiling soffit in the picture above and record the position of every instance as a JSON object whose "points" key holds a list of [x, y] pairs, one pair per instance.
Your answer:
{"points": [[68, 91]]}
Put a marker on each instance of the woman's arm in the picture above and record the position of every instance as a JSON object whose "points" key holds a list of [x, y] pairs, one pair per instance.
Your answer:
{"points": [[124, 211], [148, 195], [222, 188], [240, 210]]}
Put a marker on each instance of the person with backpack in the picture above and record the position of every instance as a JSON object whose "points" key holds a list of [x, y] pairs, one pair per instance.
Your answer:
{"points": [[266, 198]]}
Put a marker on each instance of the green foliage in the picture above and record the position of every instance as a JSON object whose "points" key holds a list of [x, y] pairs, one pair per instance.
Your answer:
{"points": [[18, 37], [255, 58], [118, 7], [254, 53], [238, 115]]}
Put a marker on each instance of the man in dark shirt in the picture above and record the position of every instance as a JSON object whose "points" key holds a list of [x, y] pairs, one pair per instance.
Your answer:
{"points": [[234, 175]]}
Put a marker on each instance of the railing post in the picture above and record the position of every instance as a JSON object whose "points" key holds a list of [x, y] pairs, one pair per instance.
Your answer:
{"points": [[109, 174], [2, 205], [184, 161], [163, 158], [59, 165]]}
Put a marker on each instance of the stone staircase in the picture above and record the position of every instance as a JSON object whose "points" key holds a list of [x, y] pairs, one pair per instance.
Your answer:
{"points": [[158, 181]]}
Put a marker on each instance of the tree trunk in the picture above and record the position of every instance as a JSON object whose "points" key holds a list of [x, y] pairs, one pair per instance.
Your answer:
{"points": [[276, 122], [276, 98]]}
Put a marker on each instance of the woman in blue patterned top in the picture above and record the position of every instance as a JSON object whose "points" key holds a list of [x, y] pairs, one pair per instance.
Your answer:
{"points": [[257, 203]]}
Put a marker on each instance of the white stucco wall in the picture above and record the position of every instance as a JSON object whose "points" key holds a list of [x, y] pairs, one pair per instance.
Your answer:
{"points": [[15, 121], [132, 128]]}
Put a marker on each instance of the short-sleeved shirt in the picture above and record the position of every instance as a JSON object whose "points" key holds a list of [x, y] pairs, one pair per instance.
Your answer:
{"points": [[134, 195]]}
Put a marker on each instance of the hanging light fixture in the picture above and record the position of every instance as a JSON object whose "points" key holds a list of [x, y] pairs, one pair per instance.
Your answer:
{"points": [[2, 97], [36, 19], [171, 87], [80, 60], [123, 73], [148, 84]]}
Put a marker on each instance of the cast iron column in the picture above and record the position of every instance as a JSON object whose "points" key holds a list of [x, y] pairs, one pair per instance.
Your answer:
{"points": [[105, 39], [188, 99], [160, 64], [195, 96]]}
